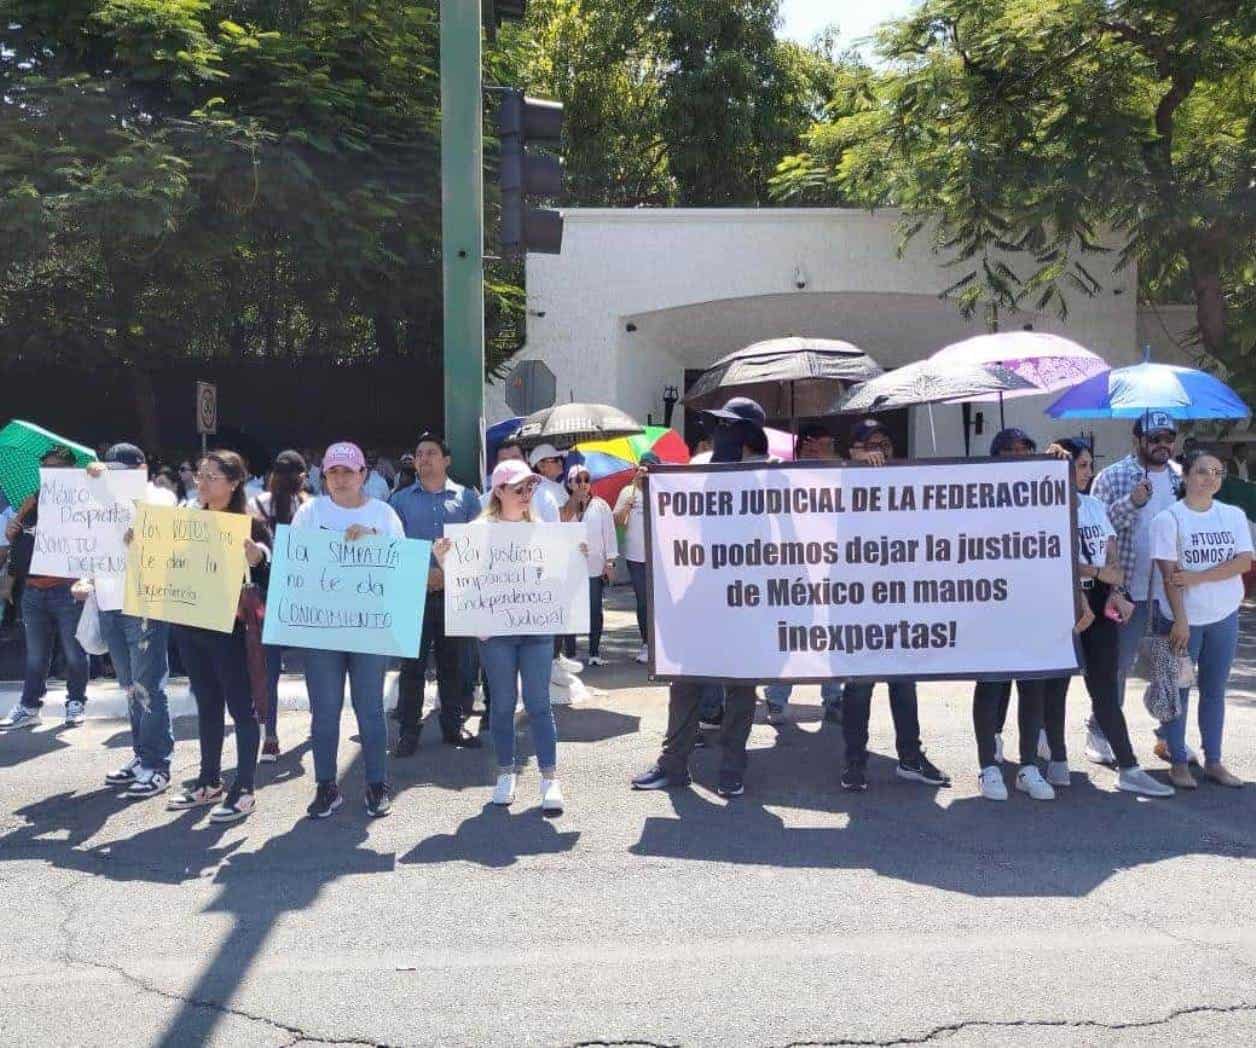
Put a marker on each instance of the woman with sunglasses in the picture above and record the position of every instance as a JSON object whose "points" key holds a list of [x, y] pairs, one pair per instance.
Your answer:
{"points": [[216, 663], [599, 524], [1201, 547]]}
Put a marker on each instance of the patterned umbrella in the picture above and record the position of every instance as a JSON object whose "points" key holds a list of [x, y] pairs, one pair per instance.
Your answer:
{"points": [[612, 463], [566, 424], [1047, 362], [929, 382], [22, 445]]}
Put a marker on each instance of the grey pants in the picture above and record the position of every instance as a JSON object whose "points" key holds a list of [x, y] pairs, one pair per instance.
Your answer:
{"points": [[684, 704]]}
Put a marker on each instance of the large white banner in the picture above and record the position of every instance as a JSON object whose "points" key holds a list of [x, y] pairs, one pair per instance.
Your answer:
{"points": [[509, 579], [82, 521], [815, 571]]}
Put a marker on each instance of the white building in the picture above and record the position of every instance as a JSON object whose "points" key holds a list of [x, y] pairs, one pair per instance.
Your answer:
{"points": [[640, 299]]}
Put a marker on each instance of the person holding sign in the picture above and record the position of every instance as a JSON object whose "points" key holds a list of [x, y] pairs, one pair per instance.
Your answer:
{"points": [[216, 662], [595, 514], [347, 509], [1202, 547]]}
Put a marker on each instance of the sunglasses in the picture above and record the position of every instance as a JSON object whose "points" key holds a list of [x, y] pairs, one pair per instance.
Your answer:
{"points": [[1208, 471], [522, 489]]}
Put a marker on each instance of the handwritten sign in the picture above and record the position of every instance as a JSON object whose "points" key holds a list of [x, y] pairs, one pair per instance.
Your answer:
{"points": [[511, 579], [186, 566], [82, 521], [365, 596]]}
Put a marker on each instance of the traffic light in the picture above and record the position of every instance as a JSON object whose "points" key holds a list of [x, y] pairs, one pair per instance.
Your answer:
{"points": [[522, 125]]}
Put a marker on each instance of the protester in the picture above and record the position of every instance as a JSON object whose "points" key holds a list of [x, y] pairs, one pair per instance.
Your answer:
{"points": [[425, 507], [216, 662], [405, 473], [347, 509], [1202, 547], [168, 479], [1237, 465], [49, 613], [518, 658], [738, 437], [187, 481], [551, 503], [630, 515], [377, 480], [278, 504], [599, 525]]}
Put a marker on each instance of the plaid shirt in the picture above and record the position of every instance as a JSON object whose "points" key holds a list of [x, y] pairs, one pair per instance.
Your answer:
{"points": [[1112, 487]]}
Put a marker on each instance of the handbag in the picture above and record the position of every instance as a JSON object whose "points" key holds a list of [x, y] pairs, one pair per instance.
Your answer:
{"points": [[252, 613], [88, 632], [1165, 671]]}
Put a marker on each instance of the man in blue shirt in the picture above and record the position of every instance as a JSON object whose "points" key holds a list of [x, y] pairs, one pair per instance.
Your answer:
{"points": [[425, 507]]}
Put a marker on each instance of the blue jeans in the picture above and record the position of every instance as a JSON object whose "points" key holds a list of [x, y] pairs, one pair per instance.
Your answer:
{"points": [[505, 660], [46, 612], [778, 694], [139, 649], [325, 673], [1212, 650], [274, 667]]}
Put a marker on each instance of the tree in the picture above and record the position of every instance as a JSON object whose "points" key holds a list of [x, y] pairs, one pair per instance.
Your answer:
{"points": [[1031, 128]]}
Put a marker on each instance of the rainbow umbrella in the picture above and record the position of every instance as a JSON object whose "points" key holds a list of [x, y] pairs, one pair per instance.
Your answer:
{"points": [[22, 445], [612, 463]]}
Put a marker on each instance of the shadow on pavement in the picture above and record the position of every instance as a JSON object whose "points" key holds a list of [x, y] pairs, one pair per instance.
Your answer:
{"points": [[496, 837]]}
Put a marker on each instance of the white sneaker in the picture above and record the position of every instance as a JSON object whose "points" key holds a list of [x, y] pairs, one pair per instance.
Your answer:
{"points": [[643, 656], [1098, 749], [551, 797], [570, 665], [1135, 780], [1029, 780], [558, 675], [125, 775], [998, 749], [597, 660], [1058, 773], [75, 713], [1044, 747], [148, 783], [993, 788], [21, 717], [504, 794]]}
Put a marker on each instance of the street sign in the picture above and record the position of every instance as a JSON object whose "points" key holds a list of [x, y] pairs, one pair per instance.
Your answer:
{"points": [[530, 386], [206, 408]]}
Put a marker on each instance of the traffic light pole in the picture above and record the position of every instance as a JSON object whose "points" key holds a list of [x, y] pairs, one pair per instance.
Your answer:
{"points": [[462, 233]]}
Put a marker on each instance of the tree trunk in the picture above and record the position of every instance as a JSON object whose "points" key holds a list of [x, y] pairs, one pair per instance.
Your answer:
{"points": [[146, 411], [1210, 308]]}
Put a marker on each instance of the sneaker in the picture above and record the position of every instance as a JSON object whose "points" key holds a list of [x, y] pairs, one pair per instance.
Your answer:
{"points": [[1135, 780], [378, 799], [998, 749], [235, 806], [597, 660], [712, 721], [993, 788], [1044, 747], [730, 784], [1098, 749], [21, 717], [855, 779], [270, 751], [569, 664], [551, 797], [559, 677], [407, 746], [504, 793], [148, 783], [1221, 775], [125, 775], [195, 796], [1029, 780], [1161, 750], [326, 800], [922, 770], [75, 713], [1181, 777], [776, 714], [657, 779], [1058, 773], [643, 656]]}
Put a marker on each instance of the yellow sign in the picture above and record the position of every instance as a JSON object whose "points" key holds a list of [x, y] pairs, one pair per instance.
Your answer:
{"points": [[186, 566]]}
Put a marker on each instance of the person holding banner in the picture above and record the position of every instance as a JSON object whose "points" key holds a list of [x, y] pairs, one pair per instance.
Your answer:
{"points": [[348, 509], [603, 549], [216, 662]]}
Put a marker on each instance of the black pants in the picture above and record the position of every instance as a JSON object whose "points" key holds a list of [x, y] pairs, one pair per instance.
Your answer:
{"points": [[856, 709], [1100, 645], [1054, 694], [219, 676], [684, 703], [990, 703], [596, 585], [454, 693]]}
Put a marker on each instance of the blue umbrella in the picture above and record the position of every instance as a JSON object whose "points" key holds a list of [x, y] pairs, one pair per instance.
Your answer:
{"points": [[1183, 393]]}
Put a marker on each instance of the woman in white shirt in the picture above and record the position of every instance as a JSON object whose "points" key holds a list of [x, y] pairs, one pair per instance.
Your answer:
{"points": [[603, 549], [1202, 548], [346, 509]]}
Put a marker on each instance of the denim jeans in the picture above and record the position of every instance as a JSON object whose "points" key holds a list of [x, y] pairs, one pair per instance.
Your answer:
{"points": [[274, 668], [778, 694], [45, 613], [506, 660], [325, 673], [712, 701], [636, 572], [1212, 650], [139, 649], [219, 676]]}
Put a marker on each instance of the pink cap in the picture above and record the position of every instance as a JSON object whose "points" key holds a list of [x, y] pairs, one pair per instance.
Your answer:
{"points": [[512, 471], [344, 454]]}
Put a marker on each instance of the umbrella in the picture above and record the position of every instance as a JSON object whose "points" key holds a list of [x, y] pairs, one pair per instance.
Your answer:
{"points": [[22, 445], [1184, 393], [612, 463], [568, 424], [789, 377]]}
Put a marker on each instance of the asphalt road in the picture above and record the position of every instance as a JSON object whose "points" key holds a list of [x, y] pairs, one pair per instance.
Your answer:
{"points": [[794, 915]]}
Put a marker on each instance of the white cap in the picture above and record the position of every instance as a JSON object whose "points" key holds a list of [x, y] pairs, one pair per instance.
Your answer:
{"points": [[542, 452]]}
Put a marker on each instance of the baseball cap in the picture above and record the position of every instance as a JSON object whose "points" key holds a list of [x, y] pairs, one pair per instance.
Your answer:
{"points": [[865, 428], [510, 472], [576, 470], [542, 452], [344, 454], [741, 409], [1151, 421], [127, 455], [1005, 438]]}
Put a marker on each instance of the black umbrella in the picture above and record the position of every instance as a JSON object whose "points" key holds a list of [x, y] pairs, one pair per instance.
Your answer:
{"points": [[789, 377], [567, 424]]}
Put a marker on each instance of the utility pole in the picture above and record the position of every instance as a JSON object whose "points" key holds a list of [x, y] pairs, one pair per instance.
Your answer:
{"points": [[462, 234]]}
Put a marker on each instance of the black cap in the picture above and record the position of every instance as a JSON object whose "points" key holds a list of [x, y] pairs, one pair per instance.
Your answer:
{"points": [[865, 428], [127, 455], [1005, 438], [741, 409]]}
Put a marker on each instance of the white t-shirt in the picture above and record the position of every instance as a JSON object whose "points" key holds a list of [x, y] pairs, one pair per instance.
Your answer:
{"points": [[1199, 541], [634, 533], [548, 500], [160, 496], [600, 528], [1163, 495], [1093, 530], [376, 486], [322, 513]]}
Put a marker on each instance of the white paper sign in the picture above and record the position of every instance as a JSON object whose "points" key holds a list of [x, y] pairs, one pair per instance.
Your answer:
{"points": [[809, 571], [82, 520], [515, 579]]}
